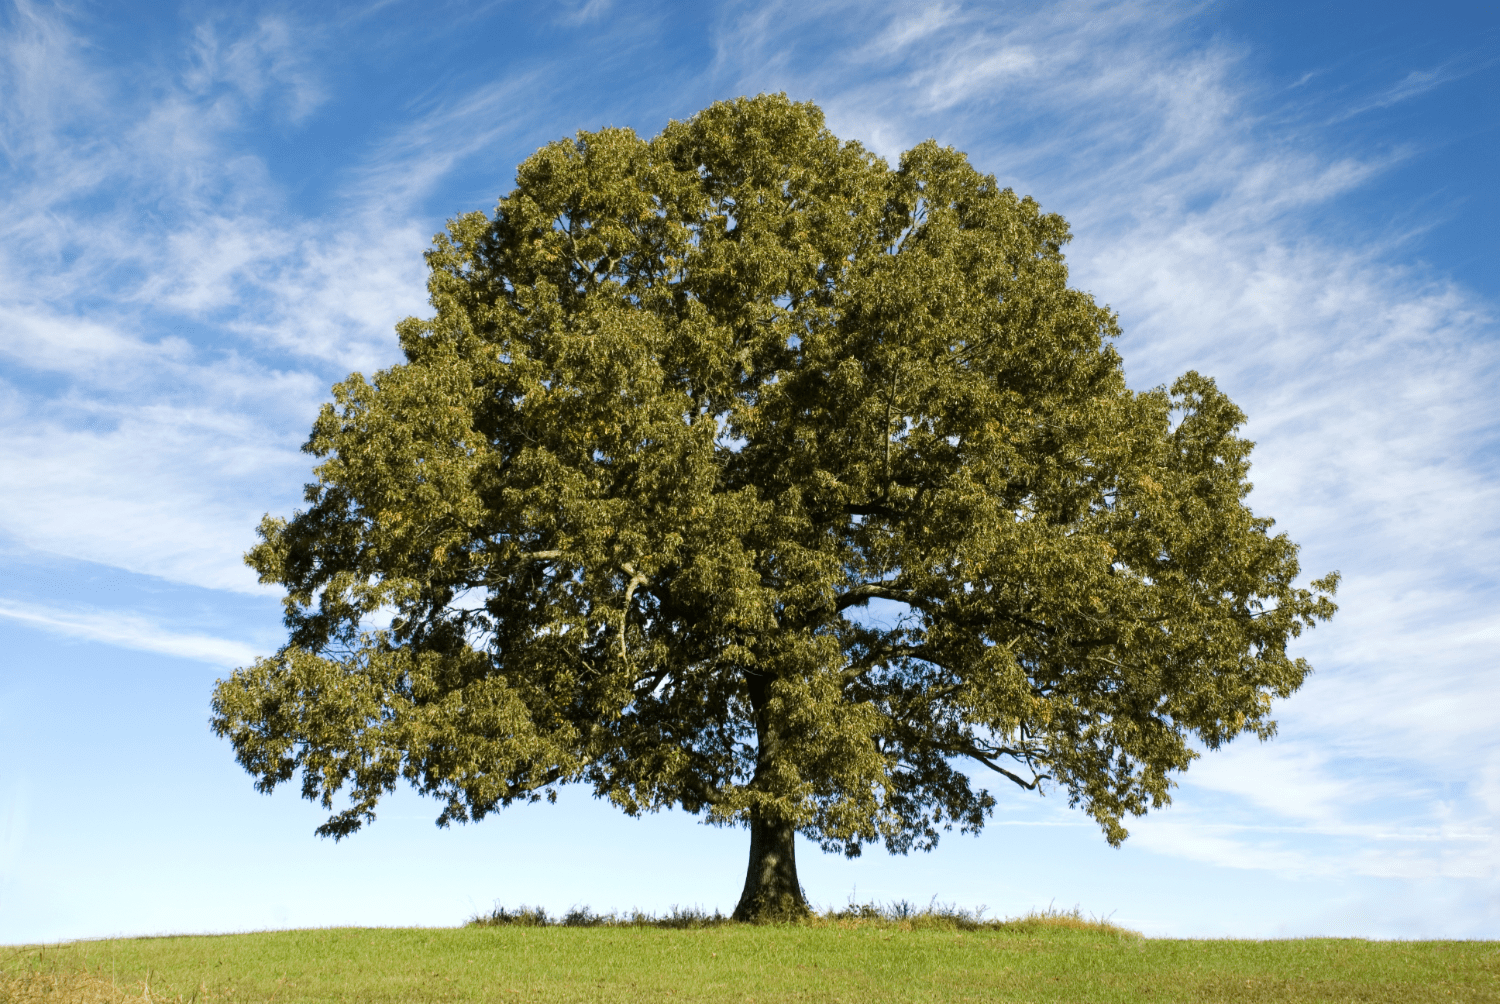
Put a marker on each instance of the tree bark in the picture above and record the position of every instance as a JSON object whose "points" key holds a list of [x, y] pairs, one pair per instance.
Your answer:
{"points": [[772, 891]]}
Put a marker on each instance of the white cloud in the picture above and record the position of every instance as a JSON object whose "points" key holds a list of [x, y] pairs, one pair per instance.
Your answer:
{"points": [[194, 324], [1414, 84], [408, 164], [1380, 851], [257, 61], [126, 631], [909, 28], [576, 12]]}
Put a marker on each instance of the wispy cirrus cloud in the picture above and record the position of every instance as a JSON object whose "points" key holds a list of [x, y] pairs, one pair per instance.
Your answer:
{"points": [[262, 61], [169, 325], [1414, 84], [582, 11], [158, 271], [127, 631]]}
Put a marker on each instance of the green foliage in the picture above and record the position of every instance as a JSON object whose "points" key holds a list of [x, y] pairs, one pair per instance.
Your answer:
{"points": [[686, 407]]}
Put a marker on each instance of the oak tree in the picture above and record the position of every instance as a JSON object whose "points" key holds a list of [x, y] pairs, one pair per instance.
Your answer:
{"points": [[739, 472]]}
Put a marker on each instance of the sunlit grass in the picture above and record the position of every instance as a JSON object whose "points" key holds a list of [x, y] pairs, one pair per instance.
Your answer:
{"points": [[854, 956]]}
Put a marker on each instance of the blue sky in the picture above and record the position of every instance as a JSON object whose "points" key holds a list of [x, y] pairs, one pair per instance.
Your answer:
{"points": [[210, 213]]}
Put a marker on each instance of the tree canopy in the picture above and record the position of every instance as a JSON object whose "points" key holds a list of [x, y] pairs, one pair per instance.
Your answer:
{"points": [[740, 472]]}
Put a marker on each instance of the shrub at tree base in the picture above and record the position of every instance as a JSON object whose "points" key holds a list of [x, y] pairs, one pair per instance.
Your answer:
{"points": [[740, 472], [901, 916]]}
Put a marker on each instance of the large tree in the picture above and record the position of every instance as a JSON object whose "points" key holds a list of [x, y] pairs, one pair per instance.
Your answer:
{"points": [[739, 472]]}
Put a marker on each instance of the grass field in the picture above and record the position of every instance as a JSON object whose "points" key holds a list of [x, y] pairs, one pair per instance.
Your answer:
{"points": [[1051, 958]]}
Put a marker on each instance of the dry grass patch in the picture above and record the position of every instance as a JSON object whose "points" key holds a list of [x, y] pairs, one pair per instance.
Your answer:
{"points": [[55, 987], [38, 981]]}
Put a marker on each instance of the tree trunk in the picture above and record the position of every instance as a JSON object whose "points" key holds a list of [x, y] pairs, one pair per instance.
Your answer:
{"points": [[772, 891]]}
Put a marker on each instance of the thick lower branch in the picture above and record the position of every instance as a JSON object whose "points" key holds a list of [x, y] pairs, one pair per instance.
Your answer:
{"points": [[708, 794]]}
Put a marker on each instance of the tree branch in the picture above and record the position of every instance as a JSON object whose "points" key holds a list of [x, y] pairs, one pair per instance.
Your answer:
{"points": [[652, 680], [1031, 785], [873, 591], [636, 579], [872, 509], [707, 793], [876, 655]]}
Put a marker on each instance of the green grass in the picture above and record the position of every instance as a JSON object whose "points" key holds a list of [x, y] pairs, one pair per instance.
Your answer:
{"points": [[863, 960]]}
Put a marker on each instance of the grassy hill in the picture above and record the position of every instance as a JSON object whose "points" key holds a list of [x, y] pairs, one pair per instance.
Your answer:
{"points": [[855, 959]]}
